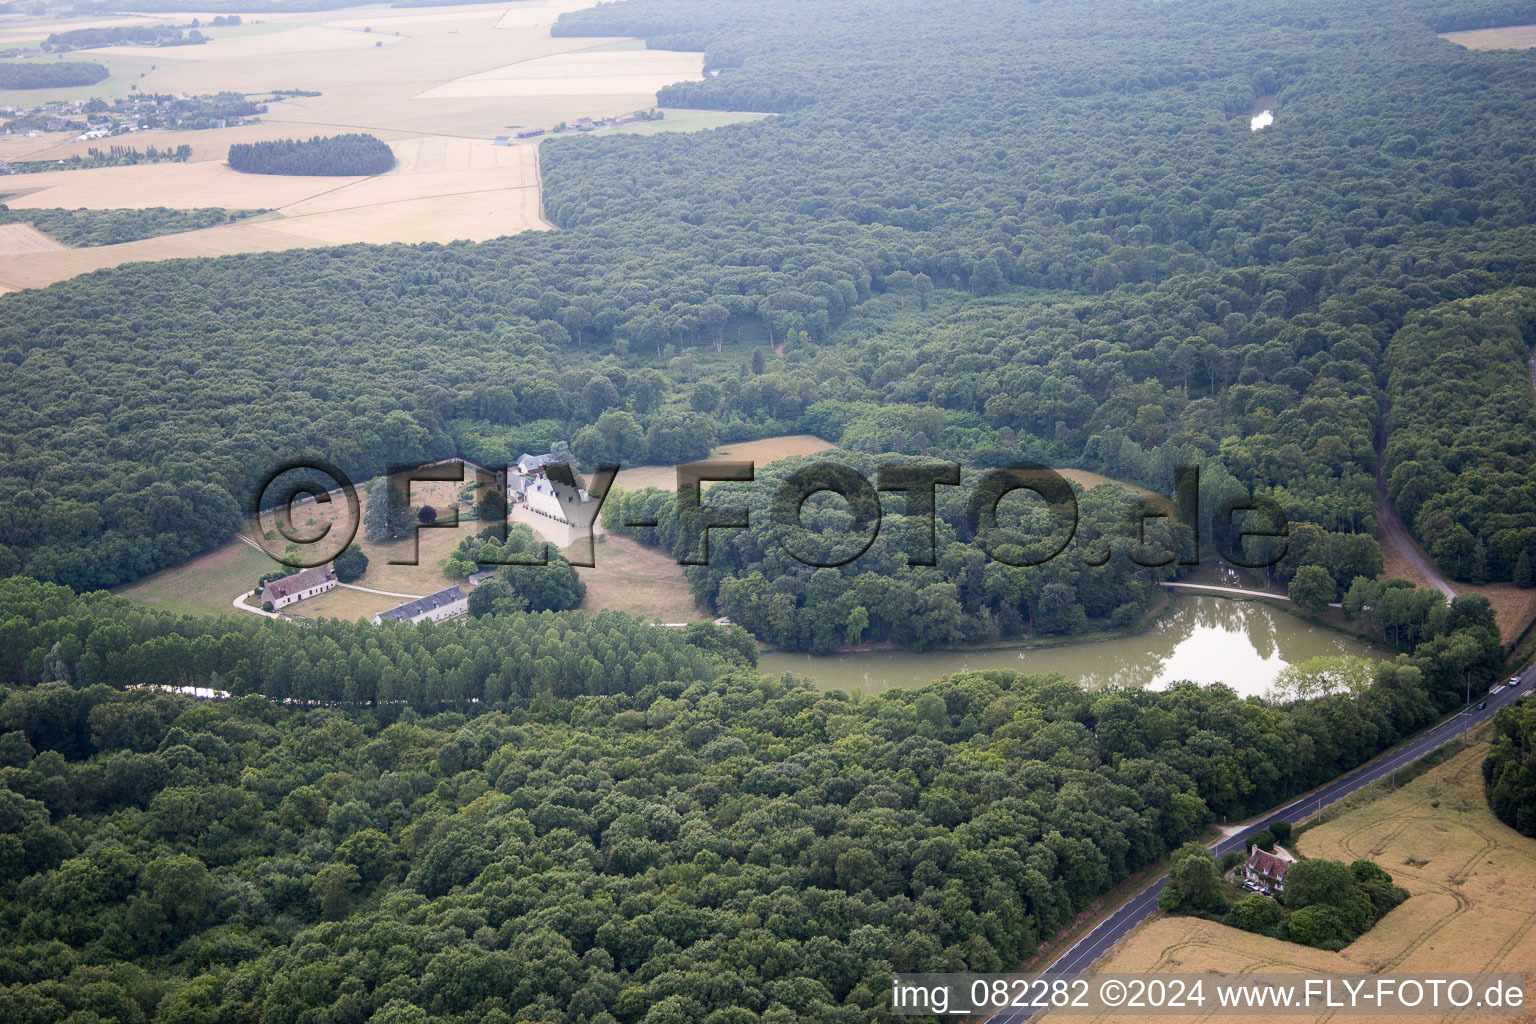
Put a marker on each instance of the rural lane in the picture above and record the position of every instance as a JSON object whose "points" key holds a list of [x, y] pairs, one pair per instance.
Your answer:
{"points": [[1083, 953], [1391, 527]]}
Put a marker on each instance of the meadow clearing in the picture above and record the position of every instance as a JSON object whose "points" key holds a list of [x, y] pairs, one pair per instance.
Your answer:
{"points": [[627, 576], [1513, 607], [439, 84], [1469, 874]]}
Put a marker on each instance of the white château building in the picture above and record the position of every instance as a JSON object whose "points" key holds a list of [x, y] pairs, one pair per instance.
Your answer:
{"points": [[550, 488]]}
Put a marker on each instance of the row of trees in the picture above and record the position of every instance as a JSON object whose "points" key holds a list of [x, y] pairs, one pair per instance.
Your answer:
{"points": [[117, 35], [36, 74], [110, 227], [351, 154], [1510, 768]]}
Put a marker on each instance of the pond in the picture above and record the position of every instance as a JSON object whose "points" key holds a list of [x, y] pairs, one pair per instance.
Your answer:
{"points": [[1244, 644]]}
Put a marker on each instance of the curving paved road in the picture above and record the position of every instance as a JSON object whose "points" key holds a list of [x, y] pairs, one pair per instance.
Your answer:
{"points": [[1081, 956]]}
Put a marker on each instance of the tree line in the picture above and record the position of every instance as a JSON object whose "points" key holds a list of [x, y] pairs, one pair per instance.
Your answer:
{"points": [[83, 228], [50, 74], [1508, 771]]}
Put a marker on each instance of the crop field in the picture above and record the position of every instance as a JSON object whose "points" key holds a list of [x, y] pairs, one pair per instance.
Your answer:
{"points": [[1470, 875], [1508, 37], [24, 239], [438, 84], [769, 449]]}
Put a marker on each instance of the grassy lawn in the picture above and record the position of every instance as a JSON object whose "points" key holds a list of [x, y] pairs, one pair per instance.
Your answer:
{"points": [[207, 584], [343, 603], [642, 581]]}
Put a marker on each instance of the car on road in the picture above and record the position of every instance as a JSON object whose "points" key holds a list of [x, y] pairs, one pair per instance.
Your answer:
{"points": [[1482, 705], [1514, 680]]}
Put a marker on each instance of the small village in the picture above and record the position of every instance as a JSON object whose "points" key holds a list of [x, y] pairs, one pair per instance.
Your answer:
{"points": [[98, 119]]}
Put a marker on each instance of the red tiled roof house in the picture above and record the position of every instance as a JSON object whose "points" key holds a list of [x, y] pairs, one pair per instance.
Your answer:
{"points": [[1266, 868], [305, 583]]}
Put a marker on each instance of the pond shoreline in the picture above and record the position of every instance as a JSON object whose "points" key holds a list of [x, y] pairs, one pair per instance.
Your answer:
{"points": [[1209, 638]]}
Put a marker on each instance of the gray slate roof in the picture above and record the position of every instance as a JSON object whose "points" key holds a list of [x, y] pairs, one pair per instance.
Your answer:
{"points": [[409, 611]]}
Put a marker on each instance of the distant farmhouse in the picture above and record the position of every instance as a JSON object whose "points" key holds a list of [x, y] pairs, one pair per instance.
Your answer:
{"points": [[444, 604], [549, 487], [306, 583]]}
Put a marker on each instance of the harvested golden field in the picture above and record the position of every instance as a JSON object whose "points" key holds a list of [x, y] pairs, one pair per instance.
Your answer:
{"points": [[1509, 37], [1470, 875], [27, 147], [24, 239], [187, 186], [42, 269], [769, 449], [599, 73], [438, 84]]}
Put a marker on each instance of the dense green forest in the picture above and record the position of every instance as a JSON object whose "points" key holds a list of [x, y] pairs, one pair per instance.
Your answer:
{"points": [[1461, 460], [109, 227], [1075, 253], [35, 74], [556, 816], [355, 153], [1510, 769]]}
